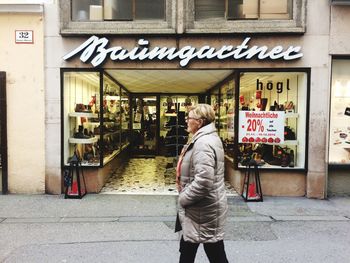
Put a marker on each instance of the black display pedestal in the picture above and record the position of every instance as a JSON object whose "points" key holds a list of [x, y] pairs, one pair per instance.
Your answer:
{"points": [[251, 184], [74, 179]]}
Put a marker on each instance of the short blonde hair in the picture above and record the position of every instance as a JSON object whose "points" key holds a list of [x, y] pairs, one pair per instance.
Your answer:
{"points": [[203, 111]]}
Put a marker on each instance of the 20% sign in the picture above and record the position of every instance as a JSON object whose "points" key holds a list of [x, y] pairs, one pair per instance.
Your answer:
{"points": [[261, 127]]}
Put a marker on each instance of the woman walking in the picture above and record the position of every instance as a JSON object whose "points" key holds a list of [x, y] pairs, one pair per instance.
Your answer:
{"points": [[200, 181]]}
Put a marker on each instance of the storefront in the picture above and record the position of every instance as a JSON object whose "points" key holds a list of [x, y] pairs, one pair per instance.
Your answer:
{"points": [[140, 106], [123, 84]]}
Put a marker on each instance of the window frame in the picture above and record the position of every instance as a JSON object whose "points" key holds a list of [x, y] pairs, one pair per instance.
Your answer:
{"points": [[69, 27], [294, 25], [333, 165], [339, 2]]}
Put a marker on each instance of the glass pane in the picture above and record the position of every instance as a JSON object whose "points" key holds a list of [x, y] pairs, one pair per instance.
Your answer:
{"points": [[243, 9], [87, 10], [227, 114], [339, 148], [276, 9], [272, 119], [144, 125], [173, 126], [118, 10], [146, 9], [125, 113], [81, 108], [207, 9], [214, 101], [260, 9], [110, 130]]}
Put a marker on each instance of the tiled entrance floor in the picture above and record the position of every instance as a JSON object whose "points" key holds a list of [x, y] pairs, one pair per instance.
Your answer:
{"points": [[147, 176]]}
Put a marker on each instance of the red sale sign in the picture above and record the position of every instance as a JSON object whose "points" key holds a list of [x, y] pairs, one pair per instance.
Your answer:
{"points": [[261, 127]]}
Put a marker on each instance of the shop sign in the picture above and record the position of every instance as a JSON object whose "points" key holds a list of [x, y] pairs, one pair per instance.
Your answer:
{"points": [[261, 127], [96, 51]]}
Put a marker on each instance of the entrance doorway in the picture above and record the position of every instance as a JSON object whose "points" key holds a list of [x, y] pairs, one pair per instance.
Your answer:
{"points": [[3, 134], [144, 111]]}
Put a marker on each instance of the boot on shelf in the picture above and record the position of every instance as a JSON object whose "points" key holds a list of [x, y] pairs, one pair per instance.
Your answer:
{"points": [[263, 103], [291, 158]]}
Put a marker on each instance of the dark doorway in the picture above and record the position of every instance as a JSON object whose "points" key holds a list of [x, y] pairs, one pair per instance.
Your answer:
{"points": [[3, 134]]}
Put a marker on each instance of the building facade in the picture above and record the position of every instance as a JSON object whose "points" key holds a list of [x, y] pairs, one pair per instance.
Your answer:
{"points": [[116, 72]]}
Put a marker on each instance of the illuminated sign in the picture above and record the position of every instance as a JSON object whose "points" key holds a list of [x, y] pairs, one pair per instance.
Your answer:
{"points": [[96, 50]]}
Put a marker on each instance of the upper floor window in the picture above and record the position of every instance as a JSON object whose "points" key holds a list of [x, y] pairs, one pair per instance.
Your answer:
{"points": [[117, 10], [340, 2], [243, 9]]}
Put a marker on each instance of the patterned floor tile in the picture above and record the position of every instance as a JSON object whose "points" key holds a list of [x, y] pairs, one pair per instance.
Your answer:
{"points": [[147, 176]]}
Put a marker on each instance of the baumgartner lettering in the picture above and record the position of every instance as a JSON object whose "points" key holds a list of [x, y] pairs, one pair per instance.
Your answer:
{"points": [[97, 50]]}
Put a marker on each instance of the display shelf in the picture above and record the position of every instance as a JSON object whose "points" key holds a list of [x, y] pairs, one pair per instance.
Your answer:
{"points": [[229, 158], [174, 136], [286, 142], [170, 114], [110, 157], [269, 166], [108, 133], [83, 141], [83, 114]]}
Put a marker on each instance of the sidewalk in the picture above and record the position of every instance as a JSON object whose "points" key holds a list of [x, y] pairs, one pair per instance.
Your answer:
{"points": [[133, 228]]}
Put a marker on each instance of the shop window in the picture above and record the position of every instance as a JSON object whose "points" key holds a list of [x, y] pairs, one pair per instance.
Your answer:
{"points": [[117, 16], [272, 114], [227, 116], [244, 9], [340, 2], [144, 125], [95, 116], [255, 16], [173, 126], [215, 102], [98, 10], [339, 148]]}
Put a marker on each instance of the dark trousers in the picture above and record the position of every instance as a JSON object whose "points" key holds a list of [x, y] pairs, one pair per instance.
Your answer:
{"points": [[215, 251]]}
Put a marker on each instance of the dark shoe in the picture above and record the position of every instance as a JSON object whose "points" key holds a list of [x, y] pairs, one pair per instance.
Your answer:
{"points": [[291, 157], [275, 161], [263, 103], [285, 160]]}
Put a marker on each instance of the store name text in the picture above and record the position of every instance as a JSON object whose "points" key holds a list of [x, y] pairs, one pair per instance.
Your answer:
{"points": [[96, 49], [270, 85]]}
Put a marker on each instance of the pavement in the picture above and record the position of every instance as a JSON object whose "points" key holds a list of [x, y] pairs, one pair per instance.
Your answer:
{"points": [[139, 228]]}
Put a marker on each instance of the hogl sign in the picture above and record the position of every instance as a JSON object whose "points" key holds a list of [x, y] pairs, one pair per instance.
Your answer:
{"points": [[96, 50]]}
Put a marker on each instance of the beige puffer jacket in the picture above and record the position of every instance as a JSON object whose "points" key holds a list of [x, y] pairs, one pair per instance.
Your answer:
{"points": [[202, 202]]}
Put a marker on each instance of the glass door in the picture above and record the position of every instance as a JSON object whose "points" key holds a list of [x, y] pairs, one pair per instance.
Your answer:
{"points": [[144, 125]]}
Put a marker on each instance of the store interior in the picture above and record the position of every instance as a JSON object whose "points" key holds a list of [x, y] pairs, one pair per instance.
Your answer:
{"points": [[144, 111]]}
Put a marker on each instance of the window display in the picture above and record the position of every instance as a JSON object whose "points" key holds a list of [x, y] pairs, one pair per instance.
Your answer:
{"points": [[272, 119], [227, 116], [95, 137], [215, 103], [339, 146], [173, 127], [144, 125]]}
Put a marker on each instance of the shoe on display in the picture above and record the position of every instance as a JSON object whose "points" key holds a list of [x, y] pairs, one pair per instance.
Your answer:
{"points": [[291, 157]]}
